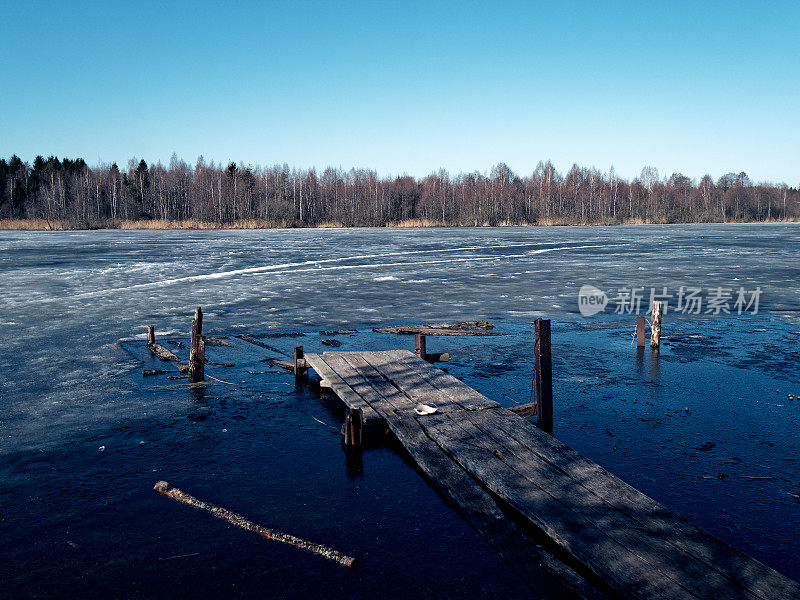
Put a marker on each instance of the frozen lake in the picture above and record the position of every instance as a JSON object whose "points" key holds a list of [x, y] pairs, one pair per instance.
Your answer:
{"points": [[706, 428]]}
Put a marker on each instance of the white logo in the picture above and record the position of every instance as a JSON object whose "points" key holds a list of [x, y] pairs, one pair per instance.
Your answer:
{"points": [[591, 300]]}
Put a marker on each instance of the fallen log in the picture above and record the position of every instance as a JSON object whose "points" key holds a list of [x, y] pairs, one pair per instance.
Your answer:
{"points": [[338, 332], [212, 341], [477, 328], [165, 489], [252, 340], [284, 364], [161, 352], [462, 325]]}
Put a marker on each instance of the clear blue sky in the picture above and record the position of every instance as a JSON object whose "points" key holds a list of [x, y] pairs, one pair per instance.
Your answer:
{"points": [[406, 87]]}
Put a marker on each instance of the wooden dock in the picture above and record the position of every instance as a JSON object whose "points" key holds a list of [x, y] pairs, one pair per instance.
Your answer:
{"points": [[567, 526]]}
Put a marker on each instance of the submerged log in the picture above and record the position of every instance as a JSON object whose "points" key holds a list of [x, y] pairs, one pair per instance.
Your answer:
{"points": [[161, 352], [212, 341], [252, 340], [338, 332], [151, 372], [165, 489]]}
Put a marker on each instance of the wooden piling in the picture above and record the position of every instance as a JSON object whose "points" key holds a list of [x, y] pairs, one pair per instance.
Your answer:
{"points": [[151, 334], [197, 352], [544, 375], [420, 346], [640, 331], [655, 326], [300, 366], [353, 426]]}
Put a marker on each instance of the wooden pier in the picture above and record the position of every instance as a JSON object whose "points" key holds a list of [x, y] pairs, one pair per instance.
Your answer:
{"points": [[567, 526]]}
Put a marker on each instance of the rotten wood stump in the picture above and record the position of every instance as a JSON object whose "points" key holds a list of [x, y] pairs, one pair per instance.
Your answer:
{"points": [[655, 325], [197, 352]]}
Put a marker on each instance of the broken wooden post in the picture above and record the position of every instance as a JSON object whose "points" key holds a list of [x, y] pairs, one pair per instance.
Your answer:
{"points": [[165, 489], [151, 334], [655, 326], [353, 425], [544, 375], [197, 352], [300, 365], [640, 331], [420, 346]]}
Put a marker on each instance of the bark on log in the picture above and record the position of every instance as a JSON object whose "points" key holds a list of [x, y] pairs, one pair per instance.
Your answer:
{"points": [[525, 410], [161, 352], [477, 328], [655, 326], [165, 489]]}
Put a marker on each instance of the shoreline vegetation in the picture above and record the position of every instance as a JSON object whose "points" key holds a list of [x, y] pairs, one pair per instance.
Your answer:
{"points": [[155, 224], [53, 194]]}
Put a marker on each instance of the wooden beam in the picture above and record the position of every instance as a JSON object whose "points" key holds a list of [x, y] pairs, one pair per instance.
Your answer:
{"points": [[640, 331], [544, 375], [151, 334], [300, 365], [353, 428], [420, 346]]}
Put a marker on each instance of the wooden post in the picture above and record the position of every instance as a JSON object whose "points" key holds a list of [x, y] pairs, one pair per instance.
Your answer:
{"points": [[197, 352], [300, 367], [640, 331], [655, 326], [151, 334], [420, 346], [544, 375], [353, 425]]}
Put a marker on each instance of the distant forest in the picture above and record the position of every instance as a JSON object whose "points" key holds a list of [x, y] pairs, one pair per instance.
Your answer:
{"points": [[68, 193]]}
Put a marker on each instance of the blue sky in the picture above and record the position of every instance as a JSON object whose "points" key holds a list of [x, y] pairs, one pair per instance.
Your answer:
{"points": [[408, 87]]}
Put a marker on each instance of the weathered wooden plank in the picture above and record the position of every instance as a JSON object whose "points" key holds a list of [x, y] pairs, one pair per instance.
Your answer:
{"points": [[342, 389], [411, 384], [540, 569], [650, 516], [608, 558], [455, 389], [601, 509]]}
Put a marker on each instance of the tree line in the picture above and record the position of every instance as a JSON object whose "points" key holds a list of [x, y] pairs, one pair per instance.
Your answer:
{"points": [[68, 191]]}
